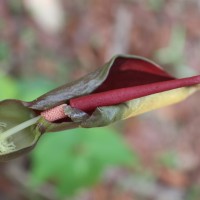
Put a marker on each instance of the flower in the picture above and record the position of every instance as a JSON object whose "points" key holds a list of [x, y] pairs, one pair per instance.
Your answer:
{"points": [[124, 87]]}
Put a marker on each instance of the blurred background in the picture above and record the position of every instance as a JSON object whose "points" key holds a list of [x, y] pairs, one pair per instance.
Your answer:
{"points": [[155, 156]]}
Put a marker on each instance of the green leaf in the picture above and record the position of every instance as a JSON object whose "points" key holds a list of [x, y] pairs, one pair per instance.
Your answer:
{"points": [[168, 159], [193, 193], [8, 86], [34, 87], [4, 51], [173, 53], [77, 158]]}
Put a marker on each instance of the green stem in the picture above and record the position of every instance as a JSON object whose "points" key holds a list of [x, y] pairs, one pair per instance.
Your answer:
{"points": [[18, 128]]}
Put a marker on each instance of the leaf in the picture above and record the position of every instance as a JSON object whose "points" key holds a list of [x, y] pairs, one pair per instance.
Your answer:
{"points": [[8, 86], [4, 51], [77, 159], [174, 53]]}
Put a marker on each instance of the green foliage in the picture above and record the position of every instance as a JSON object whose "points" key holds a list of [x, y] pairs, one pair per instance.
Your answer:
{"points": [[8, 86], [4, 51], [26, 89], [173, 53], [168, 159], [76, 159], [193, 193], [15, 6], [156, 4], [34, 87]]}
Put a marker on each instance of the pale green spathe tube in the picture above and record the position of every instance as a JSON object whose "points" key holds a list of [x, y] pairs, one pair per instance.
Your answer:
{"points": [[5, 145]]}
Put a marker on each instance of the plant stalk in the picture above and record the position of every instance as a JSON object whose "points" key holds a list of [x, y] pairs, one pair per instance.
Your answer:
{"points": [[18, 128]]}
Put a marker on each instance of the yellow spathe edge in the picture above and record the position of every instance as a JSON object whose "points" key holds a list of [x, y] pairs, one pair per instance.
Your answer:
{"points": [[158, 100]]}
